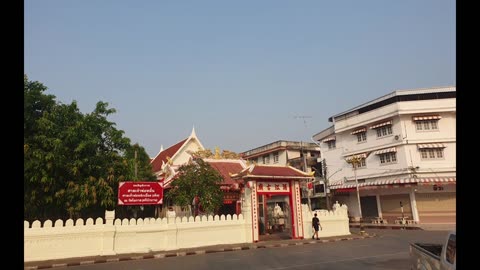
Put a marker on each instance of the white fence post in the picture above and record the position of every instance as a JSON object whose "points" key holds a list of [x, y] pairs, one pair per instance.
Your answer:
{"points": [[109, 234]]}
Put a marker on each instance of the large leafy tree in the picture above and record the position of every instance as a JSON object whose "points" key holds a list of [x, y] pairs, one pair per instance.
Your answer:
{"points": [[72, 161], [138, 162], [197, 179]]}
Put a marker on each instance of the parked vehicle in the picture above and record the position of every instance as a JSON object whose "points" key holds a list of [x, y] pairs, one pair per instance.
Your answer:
{"points": [[426, 256]]}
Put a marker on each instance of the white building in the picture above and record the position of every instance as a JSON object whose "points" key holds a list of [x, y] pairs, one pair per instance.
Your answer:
{"points": [[405, 143]]}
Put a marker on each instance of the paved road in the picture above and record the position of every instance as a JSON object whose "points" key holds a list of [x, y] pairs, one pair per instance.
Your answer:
{"points": [[387, 251]]}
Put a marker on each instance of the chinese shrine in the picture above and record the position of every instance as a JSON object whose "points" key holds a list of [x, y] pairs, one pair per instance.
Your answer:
{"points": [[272, 197]]}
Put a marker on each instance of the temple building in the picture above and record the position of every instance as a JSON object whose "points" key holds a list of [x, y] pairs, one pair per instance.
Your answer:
{"points": [[166, 163], [268, 195]]}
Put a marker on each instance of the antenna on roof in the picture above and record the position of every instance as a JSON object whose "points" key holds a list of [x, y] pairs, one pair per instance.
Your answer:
{"points": [[302, 117]]}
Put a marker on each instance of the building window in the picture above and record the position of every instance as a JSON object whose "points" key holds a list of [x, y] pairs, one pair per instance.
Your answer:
{"points": [[275, 157], [319, 188], [362, 163], [426, 125], [431, 153], [361, 137], [331, 145], [384, 131], [266, 159], [388, 158]]}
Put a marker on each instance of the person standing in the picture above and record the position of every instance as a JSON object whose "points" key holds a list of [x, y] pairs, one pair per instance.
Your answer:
{"points": [[316, 225]]}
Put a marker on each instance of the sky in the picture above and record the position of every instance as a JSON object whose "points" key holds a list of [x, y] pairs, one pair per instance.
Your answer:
{"points": [[243, 73]]}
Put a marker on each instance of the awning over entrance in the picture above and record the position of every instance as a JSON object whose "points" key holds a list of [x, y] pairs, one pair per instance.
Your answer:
{"points": [[403, 181]]}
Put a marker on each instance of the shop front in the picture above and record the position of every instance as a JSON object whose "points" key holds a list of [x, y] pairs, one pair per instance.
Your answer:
{"points": [[418, 200]]}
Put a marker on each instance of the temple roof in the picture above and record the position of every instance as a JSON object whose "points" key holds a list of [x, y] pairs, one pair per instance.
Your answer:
{"points": [[227, 167], [162, 156], [175, 151], [273, 172]]}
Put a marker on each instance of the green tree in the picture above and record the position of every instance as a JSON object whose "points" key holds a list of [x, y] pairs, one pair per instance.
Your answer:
{"points": [[72, 161], [197, 179], [144, 171]]}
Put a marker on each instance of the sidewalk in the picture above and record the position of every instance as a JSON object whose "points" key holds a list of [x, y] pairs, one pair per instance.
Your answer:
{"points": [[424, 226], [190, 251]]}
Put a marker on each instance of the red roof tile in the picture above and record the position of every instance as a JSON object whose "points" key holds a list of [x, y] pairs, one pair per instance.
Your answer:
{"points": [[224, 168], [169, 152]]}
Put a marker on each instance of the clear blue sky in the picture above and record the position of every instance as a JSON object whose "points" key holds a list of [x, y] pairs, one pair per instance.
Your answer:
{"points": [[239, 71]]}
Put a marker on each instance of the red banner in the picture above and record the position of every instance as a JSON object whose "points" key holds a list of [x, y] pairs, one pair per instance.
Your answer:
{"points": [[140, 193]]}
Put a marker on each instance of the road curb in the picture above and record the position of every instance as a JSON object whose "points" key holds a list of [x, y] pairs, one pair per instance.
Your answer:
{"points": [[196, 252]]}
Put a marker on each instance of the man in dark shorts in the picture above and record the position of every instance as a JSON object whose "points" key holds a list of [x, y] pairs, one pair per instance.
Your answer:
{"points": [[316, 225]]}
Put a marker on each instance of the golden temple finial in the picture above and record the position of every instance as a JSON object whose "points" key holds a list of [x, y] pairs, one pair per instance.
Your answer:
{"points": [[217, 152]]}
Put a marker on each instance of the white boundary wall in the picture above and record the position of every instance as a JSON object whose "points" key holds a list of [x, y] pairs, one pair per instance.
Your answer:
{"points": [[334, 223], [69, 239], [96, 238]]}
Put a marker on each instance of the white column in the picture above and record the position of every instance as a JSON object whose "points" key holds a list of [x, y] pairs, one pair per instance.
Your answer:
{"points": [[413, 203], [379, 206]]}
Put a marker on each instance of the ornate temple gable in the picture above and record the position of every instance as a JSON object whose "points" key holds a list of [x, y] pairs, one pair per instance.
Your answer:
{"points": [[192, 144], [161, 157], [208, 154], [178, 153]]}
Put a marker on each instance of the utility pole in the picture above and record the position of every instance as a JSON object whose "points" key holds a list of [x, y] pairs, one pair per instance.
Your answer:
{"points": [[324, 167], [354, 161], [305, 170], [136, 177]]}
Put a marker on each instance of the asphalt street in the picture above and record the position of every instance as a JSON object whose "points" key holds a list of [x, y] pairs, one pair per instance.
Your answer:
{"points": [[389, 250]]}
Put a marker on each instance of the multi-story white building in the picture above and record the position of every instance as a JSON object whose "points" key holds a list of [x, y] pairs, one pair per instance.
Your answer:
{"points": [[404, 145]]}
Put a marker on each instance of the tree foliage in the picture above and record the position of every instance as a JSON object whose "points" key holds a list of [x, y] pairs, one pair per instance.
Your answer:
{"points": [[197, 179], [72, 161]]}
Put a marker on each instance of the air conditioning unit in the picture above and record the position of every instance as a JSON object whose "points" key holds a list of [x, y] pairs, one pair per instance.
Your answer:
{"points": [[397, 137]]}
